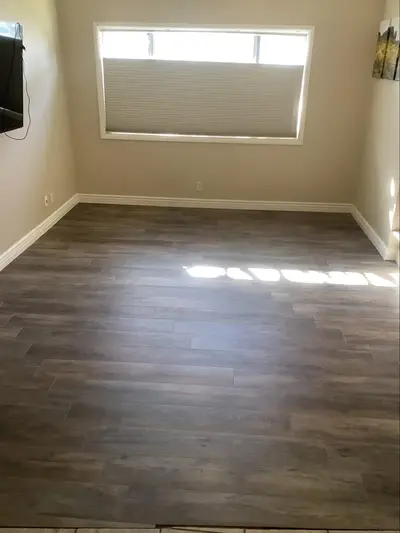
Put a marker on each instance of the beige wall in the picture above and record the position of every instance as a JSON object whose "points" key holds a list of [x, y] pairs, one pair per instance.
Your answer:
{"points": [[43, 162], [325, 169], [375, 198]]}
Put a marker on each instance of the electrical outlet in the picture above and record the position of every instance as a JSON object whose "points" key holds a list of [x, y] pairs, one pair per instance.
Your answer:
{"points": [[46, 201], [51, 198], [199, 186]]}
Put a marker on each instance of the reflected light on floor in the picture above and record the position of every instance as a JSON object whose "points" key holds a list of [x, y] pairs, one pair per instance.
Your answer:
{"points": [[311, 276], [266, 274], [238, 273], [205, 271], [396, 277], [346, 278], [294, 276], [378, 281]]}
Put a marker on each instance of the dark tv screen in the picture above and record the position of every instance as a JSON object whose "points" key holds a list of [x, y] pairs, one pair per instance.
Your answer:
{"points": [[11, 77]]}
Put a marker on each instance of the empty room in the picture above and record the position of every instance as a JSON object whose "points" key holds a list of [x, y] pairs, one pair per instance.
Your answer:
{"points": [[199, 280]]}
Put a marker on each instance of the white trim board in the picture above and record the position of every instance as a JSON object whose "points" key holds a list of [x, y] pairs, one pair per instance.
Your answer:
{"points": [[204, 203], [255, 205], [23, 244], [371, 234]]}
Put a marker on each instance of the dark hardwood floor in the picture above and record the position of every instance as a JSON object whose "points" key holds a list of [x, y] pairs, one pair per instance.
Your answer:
{"points": [[134, 390]]}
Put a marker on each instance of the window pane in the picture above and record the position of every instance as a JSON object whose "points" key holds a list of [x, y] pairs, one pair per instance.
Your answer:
{"points": [[125, 44], [283, 49], [204, 46]]}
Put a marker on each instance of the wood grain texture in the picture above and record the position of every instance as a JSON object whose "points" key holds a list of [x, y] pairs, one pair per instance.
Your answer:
{"points": [[134, 393]]}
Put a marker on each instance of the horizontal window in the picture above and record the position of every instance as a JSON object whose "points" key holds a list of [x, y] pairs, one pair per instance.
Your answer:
{"points": [[206, 84], [283, 50], [222, 47], [126, 44], [201, 46]]}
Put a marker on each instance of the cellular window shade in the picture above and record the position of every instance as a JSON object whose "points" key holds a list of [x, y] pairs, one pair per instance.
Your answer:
{"points": [[193, 98]]}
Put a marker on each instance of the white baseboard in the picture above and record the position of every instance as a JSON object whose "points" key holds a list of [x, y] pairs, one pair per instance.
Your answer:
{"points": [[19, 247], [258, 205], [371, 234], [204, 203]]}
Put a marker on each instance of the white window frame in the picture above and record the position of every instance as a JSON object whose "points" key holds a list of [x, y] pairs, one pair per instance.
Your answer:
{"points": [[104, 134]]}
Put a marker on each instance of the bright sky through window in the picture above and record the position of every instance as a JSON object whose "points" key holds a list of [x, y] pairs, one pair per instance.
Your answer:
{"points": [[283, 49], [125, 44], [223, 47], [204, 46]]}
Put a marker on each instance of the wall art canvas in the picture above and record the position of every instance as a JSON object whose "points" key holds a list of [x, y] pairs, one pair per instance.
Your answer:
{"points": [[392, 51], [381, 49]]}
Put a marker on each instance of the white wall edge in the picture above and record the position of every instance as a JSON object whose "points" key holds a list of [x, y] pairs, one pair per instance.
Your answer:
{"points": [[204, 203], [23, 244], [371, 234]]}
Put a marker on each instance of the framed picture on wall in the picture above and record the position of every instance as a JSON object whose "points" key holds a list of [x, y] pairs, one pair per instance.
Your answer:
{"points": [[390, 68], [381, 49]]}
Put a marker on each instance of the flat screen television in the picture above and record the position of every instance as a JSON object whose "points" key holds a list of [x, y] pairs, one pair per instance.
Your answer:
{"points": [[11, 77]]}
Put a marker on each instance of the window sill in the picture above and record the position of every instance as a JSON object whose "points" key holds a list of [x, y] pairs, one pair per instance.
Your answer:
{"points": [[151, 137]]}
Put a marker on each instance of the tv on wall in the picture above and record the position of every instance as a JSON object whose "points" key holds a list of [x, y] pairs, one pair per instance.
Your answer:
{"points": [[11, 77]]}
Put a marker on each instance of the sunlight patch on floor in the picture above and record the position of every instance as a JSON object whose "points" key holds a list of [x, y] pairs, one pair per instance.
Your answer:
{"points": [[313, 277]]}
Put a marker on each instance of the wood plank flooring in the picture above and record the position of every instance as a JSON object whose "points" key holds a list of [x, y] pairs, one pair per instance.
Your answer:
{"points": [[135, 387], [189, 529]]}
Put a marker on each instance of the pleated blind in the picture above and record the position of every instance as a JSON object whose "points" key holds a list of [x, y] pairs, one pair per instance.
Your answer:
{"points": [[203, 83], [195, 98]]}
